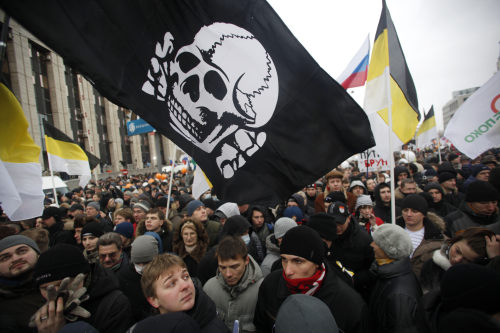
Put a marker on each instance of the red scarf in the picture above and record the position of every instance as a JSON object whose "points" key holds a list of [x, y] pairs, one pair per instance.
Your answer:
{"points": [[307, 286]]}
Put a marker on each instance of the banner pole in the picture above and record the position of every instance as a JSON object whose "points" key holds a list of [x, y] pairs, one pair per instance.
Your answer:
{"points": [[171, 181], [439, 147], [53, 182], [391, 154]]}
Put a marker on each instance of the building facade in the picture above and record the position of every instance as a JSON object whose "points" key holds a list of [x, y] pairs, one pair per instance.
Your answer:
{"points": [[458, 98], [48, 89]]}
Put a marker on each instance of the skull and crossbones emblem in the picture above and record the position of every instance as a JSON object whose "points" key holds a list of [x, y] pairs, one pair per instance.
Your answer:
{"points": [[219, 91]]}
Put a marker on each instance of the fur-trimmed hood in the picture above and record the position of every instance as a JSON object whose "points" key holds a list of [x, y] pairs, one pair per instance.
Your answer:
{"points": [[440, 258]]}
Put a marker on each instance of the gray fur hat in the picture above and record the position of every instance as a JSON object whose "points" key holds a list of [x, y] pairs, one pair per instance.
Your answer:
{"points": [[394, 240]]}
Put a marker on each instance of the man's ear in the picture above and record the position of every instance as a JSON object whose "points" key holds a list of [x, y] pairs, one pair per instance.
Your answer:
{"points": [[154, 302], [247, 260]]}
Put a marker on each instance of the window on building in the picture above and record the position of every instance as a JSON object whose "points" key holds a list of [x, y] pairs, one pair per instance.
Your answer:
{"points": [[75, 110], [102, 128], [39, 59]]}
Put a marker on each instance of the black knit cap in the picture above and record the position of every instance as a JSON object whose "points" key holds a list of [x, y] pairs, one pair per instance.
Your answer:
{"points": [[58, 262], [479, 191], [445, 175], [416, 202], [433, 186], [303, 242], [324, 224], [94, 228], [51, 212]]}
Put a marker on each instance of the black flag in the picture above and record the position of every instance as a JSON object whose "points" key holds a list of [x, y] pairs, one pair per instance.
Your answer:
{"points": [[225, 80]]}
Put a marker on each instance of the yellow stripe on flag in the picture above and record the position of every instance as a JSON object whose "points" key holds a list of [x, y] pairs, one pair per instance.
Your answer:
{"points": [[380, 57], [427, 125], [404, 118], [16, 144], [65, 150]]}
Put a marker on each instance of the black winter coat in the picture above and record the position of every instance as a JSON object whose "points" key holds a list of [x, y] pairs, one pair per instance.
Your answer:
{"points": [[109, 307], [353, 250], [130, 285], [57, 235], [347, 306], [394, 299], [205, 314]]}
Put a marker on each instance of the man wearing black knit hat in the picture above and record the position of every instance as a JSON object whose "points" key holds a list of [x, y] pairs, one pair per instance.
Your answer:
{"points": [[447, 177], [424, 228], [109, 309], [305, 272], [479, 209]]}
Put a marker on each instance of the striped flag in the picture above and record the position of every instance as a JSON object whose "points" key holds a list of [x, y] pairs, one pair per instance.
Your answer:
{"points": [[356, 72], [21, 195], [388, 69], [427, 130], [65, 155]]}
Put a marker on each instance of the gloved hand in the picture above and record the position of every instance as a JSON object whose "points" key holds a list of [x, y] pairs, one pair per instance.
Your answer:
{"points": [[72, 294]]}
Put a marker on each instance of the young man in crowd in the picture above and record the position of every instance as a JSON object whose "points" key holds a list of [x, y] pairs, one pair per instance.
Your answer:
{"points": [[305, 271], [168, 288], [234, 290], [479, 209], [19, 298], [425, 229], [155, 222]]}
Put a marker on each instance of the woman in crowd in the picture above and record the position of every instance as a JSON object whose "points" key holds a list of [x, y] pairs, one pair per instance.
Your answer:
{"points": [[190, 243], [469, 246]]}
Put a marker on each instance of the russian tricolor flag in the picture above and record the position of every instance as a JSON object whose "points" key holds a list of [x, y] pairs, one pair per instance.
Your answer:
{"points": [[356, 72]]}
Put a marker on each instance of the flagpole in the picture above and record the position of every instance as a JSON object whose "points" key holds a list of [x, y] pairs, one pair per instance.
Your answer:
{"points": [[170, 182], [52, 178], [391, 154], [439, 146]]}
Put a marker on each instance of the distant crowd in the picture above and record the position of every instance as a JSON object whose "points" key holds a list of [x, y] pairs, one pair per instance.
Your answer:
{"points": [[125, 254]]}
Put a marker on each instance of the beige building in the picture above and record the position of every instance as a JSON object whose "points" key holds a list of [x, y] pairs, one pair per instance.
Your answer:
{"points": [[48, 89], [458, 98]]}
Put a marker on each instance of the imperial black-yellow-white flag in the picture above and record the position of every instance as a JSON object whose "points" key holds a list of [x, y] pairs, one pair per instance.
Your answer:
{"points": [[65, 155], [21, 195], [427, 130], [388, 70], [225, 80]]}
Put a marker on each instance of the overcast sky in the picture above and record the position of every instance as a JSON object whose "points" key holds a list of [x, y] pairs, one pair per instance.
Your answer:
{"points": [[449, 44]]}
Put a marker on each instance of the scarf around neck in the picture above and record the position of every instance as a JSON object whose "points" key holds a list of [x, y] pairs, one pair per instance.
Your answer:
{"points": [[307, 286]]}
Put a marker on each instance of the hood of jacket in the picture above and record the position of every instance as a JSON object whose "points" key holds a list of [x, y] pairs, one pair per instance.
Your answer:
{"points": [[440, 258], [252, 275], [272, 245]]}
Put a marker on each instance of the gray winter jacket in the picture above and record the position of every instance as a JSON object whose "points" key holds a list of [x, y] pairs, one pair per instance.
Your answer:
{"points": [[273, 254], [238, 302]]}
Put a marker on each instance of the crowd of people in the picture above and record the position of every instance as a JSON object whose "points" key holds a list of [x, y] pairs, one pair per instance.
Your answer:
{"points": [[127, 254]]}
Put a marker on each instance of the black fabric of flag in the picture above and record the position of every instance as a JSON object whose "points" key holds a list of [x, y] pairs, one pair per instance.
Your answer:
{"points": [[225, 80]]}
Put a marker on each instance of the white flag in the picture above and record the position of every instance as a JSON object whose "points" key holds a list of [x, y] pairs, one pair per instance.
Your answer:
{"points": [[475, 127]]}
